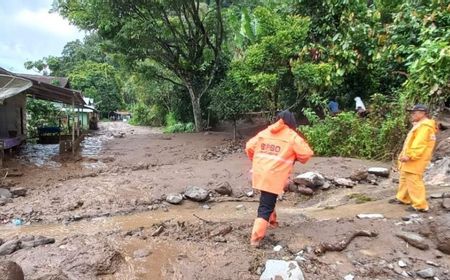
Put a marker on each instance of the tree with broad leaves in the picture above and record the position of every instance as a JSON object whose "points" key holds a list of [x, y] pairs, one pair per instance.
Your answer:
{"points": [[183, 36]]}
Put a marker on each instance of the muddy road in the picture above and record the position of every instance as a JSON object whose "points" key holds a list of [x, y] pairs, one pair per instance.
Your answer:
{"points": [[104, 214]]}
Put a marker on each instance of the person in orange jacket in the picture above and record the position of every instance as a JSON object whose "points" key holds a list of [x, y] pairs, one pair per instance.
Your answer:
{"points": [[273, 152], [414, 158]]}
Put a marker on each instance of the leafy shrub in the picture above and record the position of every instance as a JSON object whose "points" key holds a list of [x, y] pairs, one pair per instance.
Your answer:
{"points": [[348, 135], [147, 115], [174, 126]]}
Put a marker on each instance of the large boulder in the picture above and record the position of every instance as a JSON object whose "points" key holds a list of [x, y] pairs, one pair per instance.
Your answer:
{"points": [[10, 271], [438, 173], [196, 193], [282, 270], [379, 171], [310, 179], [440, 229]]}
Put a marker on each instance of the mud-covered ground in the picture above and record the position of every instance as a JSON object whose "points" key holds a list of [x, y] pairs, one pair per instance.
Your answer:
{"points": [[106, 211]]}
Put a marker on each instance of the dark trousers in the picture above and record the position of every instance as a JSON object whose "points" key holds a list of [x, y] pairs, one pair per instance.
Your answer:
{"points": [[267, 203]]}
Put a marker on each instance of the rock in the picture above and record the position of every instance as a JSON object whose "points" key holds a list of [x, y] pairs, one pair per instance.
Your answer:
{"points": [[438, 173], [206, 206], [286, 270], [359, 175], [224, 189], [292, 187], [402, 264], [35, 242], [440, 229], [372, 179], [174, 198], [278, 248], [305, 190], [344, 182], [310, 179], [433, 264], [10, 271], [240, 207], [414, 240], [196, 193], [18, 191], [4, 201], [379, 171], [446, 203], [141, 253], [436, 195], [9, 247], [370, 216], [326, 186], [5, 193], [426, 273], [349, 277]]}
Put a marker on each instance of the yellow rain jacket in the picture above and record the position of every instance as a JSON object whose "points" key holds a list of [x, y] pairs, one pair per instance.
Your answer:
{"points": [[273, 152], [419, 146]]}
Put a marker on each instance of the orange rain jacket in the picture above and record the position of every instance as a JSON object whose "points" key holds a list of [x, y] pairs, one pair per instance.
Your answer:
{"points": [[273, 152], [418, 146]]}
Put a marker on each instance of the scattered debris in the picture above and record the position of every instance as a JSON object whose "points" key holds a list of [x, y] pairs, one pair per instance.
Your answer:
{"points": [[158, 231], [349, 277], [278, 269], [141, 253], [221, 231], [370, 216], [278, 248], [324, 247], [240, 207]]}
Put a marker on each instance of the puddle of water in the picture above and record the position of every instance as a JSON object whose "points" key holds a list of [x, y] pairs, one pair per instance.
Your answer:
{"points": [[150, 267], [218, 212], [39, 154], [45, 155]]}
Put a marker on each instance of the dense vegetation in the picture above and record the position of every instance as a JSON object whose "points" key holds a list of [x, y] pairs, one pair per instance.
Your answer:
{"points": [[179, 62]]}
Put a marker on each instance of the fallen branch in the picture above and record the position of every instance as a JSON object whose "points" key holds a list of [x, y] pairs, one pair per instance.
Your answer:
{"points": [[158, 231], [203, 220], [324, 247], [221, 231]]}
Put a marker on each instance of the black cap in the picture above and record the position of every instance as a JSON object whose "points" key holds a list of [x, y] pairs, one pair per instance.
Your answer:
{"points": [[288, 118], [418, 107]]}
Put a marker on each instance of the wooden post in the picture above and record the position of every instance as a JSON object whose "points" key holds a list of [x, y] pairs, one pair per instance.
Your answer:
{"points": [[73, 125]]}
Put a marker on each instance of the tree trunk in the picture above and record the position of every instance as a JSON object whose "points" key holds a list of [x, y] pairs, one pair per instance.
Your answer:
{"points": [[234, 130], [196, 109]]}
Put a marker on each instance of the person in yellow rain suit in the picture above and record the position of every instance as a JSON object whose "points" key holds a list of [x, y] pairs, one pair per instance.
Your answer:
{"points": [[273, 152], [414, 159]]}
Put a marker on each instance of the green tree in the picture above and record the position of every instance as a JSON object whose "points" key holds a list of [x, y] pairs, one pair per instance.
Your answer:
{"points": [[185, 37], [98, 81]]}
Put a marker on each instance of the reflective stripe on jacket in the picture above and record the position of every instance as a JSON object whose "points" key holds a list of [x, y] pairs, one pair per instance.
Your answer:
{"points": [[273, 152], [418, 146]]}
